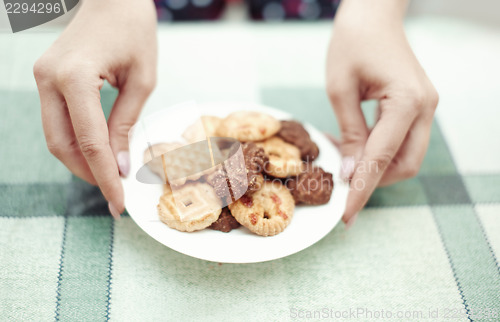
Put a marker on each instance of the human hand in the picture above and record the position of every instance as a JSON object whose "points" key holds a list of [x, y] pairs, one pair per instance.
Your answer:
{"points": [[369, 58], [112, 40]]}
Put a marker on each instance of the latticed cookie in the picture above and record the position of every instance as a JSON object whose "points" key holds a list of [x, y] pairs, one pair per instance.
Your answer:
{"points": [[195, 207]]}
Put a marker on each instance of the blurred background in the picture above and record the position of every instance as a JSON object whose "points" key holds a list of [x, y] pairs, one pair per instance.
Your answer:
{"points": [[485, 11], [267, 10], [482, 11]]}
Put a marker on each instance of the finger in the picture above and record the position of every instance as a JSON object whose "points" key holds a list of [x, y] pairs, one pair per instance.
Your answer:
{"points": [[408, 159], [128, 105], [346, 101], [410, 156], [59, 134], [381, 147], [83, 99]]}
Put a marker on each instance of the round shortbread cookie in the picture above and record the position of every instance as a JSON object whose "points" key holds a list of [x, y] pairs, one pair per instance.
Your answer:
{"points": [[284, 158], [203, 207], [248, 126], [267, 212], [201, 130]]}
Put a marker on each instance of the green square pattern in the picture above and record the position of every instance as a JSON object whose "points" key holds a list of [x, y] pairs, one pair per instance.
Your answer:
{"points": [[30, 250], [342, 270], [83, 283], [85, 199], [445, 190], [25, 157], [483, 188], [33, 200], [438, 159], [470, 258], [405, 193]]}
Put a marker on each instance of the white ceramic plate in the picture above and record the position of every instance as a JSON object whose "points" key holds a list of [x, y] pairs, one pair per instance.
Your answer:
{"points": [[309, 224]]}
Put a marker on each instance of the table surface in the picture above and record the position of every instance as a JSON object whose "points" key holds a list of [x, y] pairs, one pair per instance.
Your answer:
{"points": [[429, 243]]}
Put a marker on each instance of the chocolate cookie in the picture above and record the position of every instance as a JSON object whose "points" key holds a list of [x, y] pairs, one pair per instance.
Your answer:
{"points": [[294, 133], [226, 222], [313, 187], [255, 159]]}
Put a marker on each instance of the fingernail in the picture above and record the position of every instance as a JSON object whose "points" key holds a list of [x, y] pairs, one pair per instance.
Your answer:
{"points": [[351, 221], [114, 212], [123, 159], [347, 168]]}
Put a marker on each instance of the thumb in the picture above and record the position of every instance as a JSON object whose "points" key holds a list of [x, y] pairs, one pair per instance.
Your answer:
{"points": [[126, 110]]}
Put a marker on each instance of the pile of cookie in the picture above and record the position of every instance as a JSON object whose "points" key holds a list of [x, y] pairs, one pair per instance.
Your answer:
{"points": [[278, 174]]}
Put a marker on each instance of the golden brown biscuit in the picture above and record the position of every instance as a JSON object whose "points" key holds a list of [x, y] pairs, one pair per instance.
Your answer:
{"points": [[284, 158], [267, 212], [248, 126], [199, 131], [196, 207]]}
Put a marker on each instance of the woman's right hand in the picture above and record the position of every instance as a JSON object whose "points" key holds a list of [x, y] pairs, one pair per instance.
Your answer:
{"points": [[113, 40], [370, 59]]}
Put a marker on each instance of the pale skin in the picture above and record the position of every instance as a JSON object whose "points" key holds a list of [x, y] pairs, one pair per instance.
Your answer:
{"points": [[369, 58], [70, 74]]}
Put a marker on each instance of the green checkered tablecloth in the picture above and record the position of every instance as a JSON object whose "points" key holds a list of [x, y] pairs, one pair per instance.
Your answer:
{"points": [[423, 248]]}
